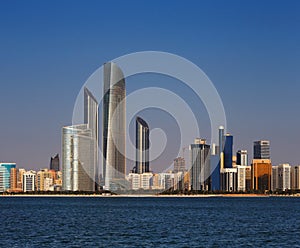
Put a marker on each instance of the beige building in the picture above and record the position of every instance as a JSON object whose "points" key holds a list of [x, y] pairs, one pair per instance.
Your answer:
{"points": [[261, 172]]}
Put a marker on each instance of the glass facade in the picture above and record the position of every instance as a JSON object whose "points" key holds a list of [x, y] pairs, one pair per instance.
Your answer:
{"points": [[200, 166], [80, 150], [228, 147], [54, 163], [142, 146], [114, 121], [261, 149], [5, 170]]}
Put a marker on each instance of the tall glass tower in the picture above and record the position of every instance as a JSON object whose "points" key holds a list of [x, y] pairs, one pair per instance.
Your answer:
{"points": [[142, 146], [80, 149], [228, 147], [54, 163], [221, 146], [114, 121], [200, 165]]}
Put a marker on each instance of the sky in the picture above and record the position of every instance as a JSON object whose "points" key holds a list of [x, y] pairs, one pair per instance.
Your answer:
{"points": [[250, 50]]}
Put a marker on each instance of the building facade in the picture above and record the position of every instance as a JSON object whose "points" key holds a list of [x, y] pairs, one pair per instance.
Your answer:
{"points": [[29, 181], [295, 177], [261, 172], [200, 165], [228, 151], [80, 150], [142, 146], [179, 165], [243, 177], [229, 179], [261, 149], [281, 177], [242, 157], [114, 121], [54, 163], [5, 174]]}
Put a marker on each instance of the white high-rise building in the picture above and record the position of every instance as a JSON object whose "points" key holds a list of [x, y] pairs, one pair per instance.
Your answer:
{"points": [[242, 177], [281, 177], [29, 181], [229, 179]]}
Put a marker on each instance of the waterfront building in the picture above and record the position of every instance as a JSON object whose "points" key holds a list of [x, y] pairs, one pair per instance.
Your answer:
{"points": [[140, 181], [5, 174], [261, 172], [228, 148], [45, 180], [200, 165], [114, 113], [142, 146], [29, 181], [78, 159], [54, 163], [281, 177], [242, 157], [20, 173], [179, 165], [261, 149], [178, 180], [13, 180], [243, 177], [221, 146], [295, 177], [229, 179], [80, 150]]}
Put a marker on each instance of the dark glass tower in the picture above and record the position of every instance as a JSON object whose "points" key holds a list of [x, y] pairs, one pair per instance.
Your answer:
{"points": [[54, 163], [200, 165], [261, 149], [114, 121], [142, 146], [228, 147]]}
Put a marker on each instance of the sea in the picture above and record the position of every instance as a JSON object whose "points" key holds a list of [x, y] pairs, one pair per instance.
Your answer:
{"points": [[150, 222]]}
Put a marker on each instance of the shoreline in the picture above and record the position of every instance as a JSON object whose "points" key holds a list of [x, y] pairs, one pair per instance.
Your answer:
{"points": [[152, 196]]}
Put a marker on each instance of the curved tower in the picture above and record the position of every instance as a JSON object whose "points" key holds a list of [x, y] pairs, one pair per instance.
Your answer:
{"points": [[114, 121], [142, 146]]}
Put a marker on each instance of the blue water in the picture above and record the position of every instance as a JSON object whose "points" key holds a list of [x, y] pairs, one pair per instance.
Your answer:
{"points": [[149, 222]]}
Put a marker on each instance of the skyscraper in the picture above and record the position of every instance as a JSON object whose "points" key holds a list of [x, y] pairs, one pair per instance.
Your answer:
{"points": [[114, 121], [221, 146], [91, 117], [54, 163], [242, 157], [228, 147], [79, 149], [142, 146], [261, 149], [200, 165], [5, 171], [179, 165], [215, 168]]}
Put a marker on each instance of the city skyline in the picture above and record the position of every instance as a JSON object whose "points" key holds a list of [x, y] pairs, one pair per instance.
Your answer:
{"points": [[249, 52]]}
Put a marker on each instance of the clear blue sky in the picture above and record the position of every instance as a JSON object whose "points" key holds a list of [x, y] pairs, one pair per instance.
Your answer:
{"points": [[249, 49]]}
